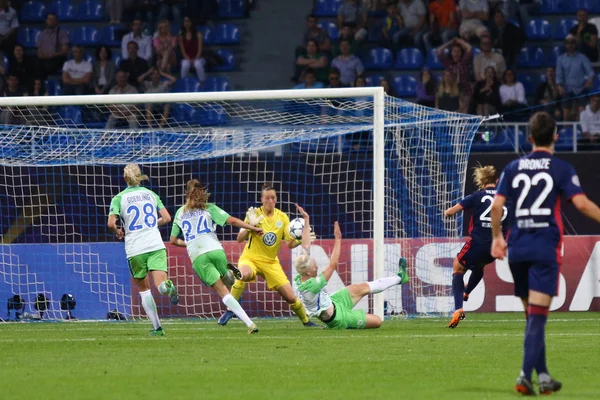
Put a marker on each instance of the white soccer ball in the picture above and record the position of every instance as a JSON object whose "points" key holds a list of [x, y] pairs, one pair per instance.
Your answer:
{"points": [[296, 227]]}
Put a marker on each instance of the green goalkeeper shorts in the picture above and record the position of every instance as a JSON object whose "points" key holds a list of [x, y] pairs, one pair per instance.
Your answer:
{"points": [[345, 316], [211, 266], [152, 261]]}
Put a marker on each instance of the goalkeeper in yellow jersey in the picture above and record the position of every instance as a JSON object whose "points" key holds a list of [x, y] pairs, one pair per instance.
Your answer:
{"points": [[260, 254]]}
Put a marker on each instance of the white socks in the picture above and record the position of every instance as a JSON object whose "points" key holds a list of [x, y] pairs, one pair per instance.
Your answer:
{"points": [[235, 307], [382, 284], [150, 308], [162, 288]]}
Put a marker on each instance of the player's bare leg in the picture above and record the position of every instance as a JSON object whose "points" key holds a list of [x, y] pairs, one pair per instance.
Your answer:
{"points": [[165, 286], [458, 288], [233, 306], [287, 293]]}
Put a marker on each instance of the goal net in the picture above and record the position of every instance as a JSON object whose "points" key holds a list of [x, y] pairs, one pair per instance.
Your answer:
{"points": [[384, 168]]}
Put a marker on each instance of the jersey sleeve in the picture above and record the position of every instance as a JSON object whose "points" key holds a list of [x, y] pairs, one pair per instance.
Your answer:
{"points": [[176, 229], [217, 214], [569, 184], [115, 206], [503, 187], [159, 203], [470, 201], [286, 227], [313, 285]]}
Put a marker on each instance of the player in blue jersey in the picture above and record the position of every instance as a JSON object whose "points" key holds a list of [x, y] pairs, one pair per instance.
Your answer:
{"points": [[475, 254], [535, 184]]}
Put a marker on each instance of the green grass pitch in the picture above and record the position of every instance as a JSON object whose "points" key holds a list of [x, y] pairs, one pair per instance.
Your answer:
{"points": [[407, 359]]}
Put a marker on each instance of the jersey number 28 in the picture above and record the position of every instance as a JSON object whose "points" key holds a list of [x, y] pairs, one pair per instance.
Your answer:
{"points": [[148, 218]]}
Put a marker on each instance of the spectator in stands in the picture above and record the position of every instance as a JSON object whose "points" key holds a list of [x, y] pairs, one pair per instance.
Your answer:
{"points": [[104, 70], [115, 10], [10, 115], [524, 8], [590, 121], [144, 42], [347, 33], [319, 35], [459, 62], [547, 93], [426, 89], [474, 14], [170, 8], [360, 81], [377, 6], [391, 26], [487, 58], [574, 76], [387, 88], [314, 60], [122, 111], [507, 37], [133, 66], [9, 22], [512, 93], [157, 85], [348, 64], [38, 89], [77, 74], [191, 43], [443, 23], [164, 46], [486, 93], [448, 94], [354, 15], [334, 79], [413, 14], [22, 66], [587, 36], [53, 47], [310, 81]]}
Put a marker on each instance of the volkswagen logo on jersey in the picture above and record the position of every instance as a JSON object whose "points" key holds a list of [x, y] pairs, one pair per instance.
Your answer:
{"points": [[269, 238]]}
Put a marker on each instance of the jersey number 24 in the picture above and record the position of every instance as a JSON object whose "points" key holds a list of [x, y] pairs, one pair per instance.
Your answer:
{"points": [[201, 228]]}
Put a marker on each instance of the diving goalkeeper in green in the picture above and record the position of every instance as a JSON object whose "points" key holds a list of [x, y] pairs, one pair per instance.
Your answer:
{"points": [[336, 311]]}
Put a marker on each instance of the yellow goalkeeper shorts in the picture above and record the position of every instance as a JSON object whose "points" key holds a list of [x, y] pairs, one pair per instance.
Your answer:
{"points": [[270, 271]]}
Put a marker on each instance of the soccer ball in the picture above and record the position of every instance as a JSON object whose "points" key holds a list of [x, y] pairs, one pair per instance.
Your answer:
{"points": [[296, 227]]}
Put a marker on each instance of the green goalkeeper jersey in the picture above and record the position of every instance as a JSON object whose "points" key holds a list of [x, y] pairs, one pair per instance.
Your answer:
{"points": [[312, 294]]}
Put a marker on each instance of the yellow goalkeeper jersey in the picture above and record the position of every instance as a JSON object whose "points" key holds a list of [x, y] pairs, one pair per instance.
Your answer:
{"points": [[266, 247]]}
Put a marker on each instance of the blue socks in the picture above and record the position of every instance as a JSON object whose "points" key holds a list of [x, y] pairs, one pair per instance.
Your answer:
{"points": [[474, 279], [458, 288], [534, 355]]}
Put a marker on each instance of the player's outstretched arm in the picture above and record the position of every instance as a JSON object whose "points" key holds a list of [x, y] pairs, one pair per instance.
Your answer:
{"points": [[455, 209], [112, 225], [335, 254], [241, 224], [305, 231], [498, 243], [586, 207], [165, 217], [177, 241]]}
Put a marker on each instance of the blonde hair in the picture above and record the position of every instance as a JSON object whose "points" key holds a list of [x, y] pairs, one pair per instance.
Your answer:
{"points": [[196, 196], [484, 175], [133, 175], [446, 87], [302, 263]]}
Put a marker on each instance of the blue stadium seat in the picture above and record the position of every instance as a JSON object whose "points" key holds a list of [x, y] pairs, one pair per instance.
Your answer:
{"points": [[529, 81], [208, 36], [217, 84], [27, 37], [116, 57], [229, 59], [330, 28], [433, 61], [561, 29], [531, 57], [63, 9], [373, 80], [553, 56], [404, 86], [85, 36], [552, 7], [326, 8], [69, 116], [90, 10], [188, 84], [475, 51], [33, 11], [565, 138], [538, 29], [379, 58], [208, 115], [410, 58], [226, 34], [231, 9], [112, 35], [524, 143], [572, 6], [53, 87]]}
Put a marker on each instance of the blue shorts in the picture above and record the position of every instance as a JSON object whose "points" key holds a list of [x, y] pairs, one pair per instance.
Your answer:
{"points": [[541, 276], [474, 254]]}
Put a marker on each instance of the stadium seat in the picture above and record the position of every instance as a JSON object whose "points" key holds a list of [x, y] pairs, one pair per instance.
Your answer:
{"points": [[226, 34], [229, 59], [475, 51], [531, 57], [561, 29], [207, 35], [373, 80], [231, 9], [53, 87], [565, 138], [27, 37], [405, 86], [217, 84], [326, 8], [188, 84], [90, 10], [116, 57], [33, 11], [208, 115], [112, 35], [330, 28], [69, 116], [529, 81], [379, 58], [572, 6], [63, 9], [433, 61], [85, 36], [524, 144], [538, 29], [553, 56], [410, 58], [552, 7]]}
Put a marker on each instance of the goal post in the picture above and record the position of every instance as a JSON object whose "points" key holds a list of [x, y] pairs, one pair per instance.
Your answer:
{"points": [[383, 167]]}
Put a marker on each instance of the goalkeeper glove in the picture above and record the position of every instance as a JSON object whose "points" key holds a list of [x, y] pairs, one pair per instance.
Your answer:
{"points": [[252, 217]]}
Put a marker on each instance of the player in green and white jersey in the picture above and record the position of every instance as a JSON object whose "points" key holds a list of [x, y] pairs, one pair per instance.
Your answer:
{"points": [[137, 208], [336, 311], [196, 221]]}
